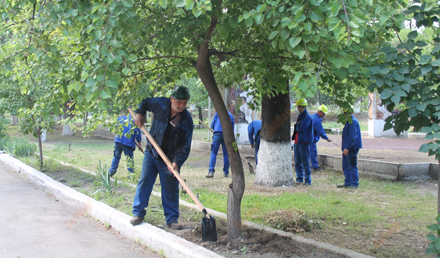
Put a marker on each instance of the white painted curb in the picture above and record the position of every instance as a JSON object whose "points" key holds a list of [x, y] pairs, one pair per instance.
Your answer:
{"points": [[157, 239]]}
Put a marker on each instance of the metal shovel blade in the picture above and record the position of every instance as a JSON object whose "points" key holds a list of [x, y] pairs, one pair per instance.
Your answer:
{"points": [[209, 229]]}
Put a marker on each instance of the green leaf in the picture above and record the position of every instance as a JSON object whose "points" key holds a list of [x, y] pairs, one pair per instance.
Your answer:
{"points": [[259, 18], [413, 34], [406, 87], [273, 34], [105, 93], [380, 81], [436, 49], [249, 22], [425, 148], [412, 112], [386, 94], [424, 59], [102, 105], [435, 63], [421, 106], [303, 85], [314, 17], [285, 33], [294, 41], [313, 47], [196, 12], [333, 23], [395, 99], [180, 3], [163, 3], [426, 69], [90, 82]]}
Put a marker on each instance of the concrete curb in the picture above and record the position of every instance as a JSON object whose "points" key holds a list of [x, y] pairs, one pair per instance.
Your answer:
{"points": [[157, 239]]}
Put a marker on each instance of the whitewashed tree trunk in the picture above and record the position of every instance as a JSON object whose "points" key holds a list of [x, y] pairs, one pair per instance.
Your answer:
{"points": [[275, 156], [67, 130], [14, 120]]}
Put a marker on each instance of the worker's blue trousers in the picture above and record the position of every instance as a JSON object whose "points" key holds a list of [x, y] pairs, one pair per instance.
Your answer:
{"points": [[349, 165], [169, 184], [302, 164], [217, 139]]}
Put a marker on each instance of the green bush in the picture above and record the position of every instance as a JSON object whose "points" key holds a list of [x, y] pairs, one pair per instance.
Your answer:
{"points": [[19, 147], [434, 246]]}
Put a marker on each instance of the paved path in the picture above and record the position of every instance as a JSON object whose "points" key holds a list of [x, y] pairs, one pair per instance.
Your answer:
{"points": [[34, 224]]}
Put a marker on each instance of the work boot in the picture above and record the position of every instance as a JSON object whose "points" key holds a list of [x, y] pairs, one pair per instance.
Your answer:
{"points": [[298, 182], [175, 226], [226, 175], [342, 186], [210, 174], [353, 187], [307, 184], [136, 220]]}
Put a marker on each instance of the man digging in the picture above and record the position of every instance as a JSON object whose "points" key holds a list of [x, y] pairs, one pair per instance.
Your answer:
{"points": [[172, 128]]}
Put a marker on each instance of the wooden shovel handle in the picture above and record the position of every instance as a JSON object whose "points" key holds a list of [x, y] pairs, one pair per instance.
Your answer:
{"points": [[169, 164], [212, 131]]}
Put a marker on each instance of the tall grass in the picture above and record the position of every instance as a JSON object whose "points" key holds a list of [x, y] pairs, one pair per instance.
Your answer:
{"points": [[19, 147]]}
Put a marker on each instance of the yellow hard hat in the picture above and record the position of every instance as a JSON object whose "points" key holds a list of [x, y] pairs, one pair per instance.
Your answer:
{"points": [[323, 109], [301, 102]]}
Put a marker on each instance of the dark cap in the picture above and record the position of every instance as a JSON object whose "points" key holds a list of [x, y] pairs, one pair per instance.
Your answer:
{"points": [[181, 92]]}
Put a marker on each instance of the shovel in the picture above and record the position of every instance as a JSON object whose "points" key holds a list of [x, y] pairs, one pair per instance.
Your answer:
{"points": [[251, 169], [209, 229]]}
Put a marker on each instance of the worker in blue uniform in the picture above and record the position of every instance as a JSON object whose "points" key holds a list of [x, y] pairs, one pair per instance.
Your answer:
{"points": [[217, 140], [254, 129], [302, 136], [351, 143], [125, 143], [318, 132]]}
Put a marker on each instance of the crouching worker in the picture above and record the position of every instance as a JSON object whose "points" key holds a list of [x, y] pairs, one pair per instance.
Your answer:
{"points": [[172, 128]]}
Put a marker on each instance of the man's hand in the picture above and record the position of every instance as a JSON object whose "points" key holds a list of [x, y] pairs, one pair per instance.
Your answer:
{"points": [[328, 140], [173, 167], [252, 146], [139, 120], [345, 152]]}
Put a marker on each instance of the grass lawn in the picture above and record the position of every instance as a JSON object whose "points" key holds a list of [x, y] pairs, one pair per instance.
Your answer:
{"points": [[381, 218]]}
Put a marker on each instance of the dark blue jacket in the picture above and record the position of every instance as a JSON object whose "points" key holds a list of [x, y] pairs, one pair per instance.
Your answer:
{"points": [[351, 135], [304, 128], [136, 135], [253, 132], [318, 130], [216, 125], [180, 139]]}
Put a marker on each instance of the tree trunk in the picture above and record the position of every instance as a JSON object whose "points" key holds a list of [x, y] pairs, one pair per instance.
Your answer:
{"points": [[200, 113], [14, 120], [86, 115], [67, 130], [275, 155], [236, 188], [438, 191], [40, 145]]}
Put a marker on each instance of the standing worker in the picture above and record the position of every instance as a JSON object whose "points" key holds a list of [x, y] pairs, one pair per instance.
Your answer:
{"points": [[303, 136], [217, 139], [254, 129], [351, 143], [318, 132], [125, 143], [172, 128]]}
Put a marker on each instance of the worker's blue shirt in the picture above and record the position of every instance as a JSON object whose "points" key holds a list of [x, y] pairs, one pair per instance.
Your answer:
{"points": [[304, 128], [318, 130], [216, 125], [351, 135], [128, 138], [253, 131], [181, 136]]}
